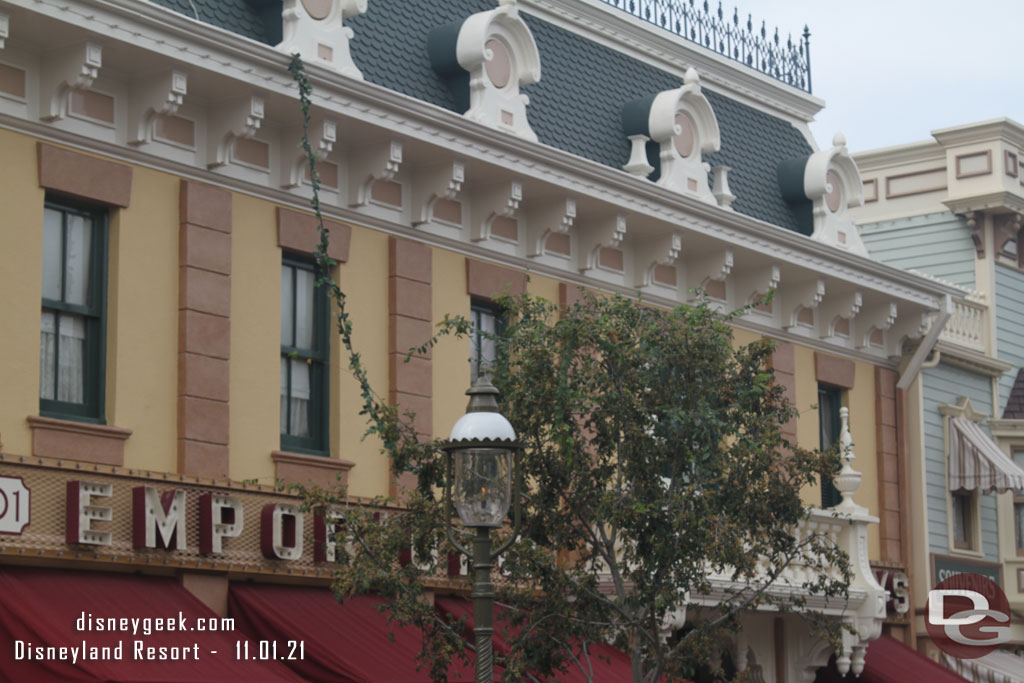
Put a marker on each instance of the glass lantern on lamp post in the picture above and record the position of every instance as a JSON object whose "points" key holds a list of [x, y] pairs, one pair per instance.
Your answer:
{"points": [[484, 480]]}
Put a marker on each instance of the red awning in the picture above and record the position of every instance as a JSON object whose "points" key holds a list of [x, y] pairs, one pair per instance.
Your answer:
{"points": [[41, 608], [348, 642], [608, 664], [890, 661]]}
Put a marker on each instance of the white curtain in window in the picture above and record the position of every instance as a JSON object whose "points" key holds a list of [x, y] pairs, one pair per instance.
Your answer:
{"points": [[296, 405], [70, 366], [76, 277]]}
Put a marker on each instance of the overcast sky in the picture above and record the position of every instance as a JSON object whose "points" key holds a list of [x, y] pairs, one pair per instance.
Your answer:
{"points": [[892, 72]]}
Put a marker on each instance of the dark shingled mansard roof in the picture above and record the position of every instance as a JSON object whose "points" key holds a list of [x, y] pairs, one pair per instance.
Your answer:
{"points": [[1015, 403], [576, 106]]}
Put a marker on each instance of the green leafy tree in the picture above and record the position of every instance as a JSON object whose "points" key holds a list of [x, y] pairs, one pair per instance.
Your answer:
{"points": [[654, 461]]}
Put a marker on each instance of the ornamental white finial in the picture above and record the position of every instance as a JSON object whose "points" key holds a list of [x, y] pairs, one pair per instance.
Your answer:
{"points": [[839, 140], [848, 480], [691, 77]]}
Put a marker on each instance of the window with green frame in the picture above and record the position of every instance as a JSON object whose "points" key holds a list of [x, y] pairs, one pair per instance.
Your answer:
{"points": [[72, 341], [305, 343], [488, 321], [829, 424]]}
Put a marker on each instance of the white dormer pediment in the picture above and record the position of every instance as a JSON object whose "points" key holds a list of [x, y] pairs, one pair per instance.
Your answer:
{"points": [[675, 128], [497, 51], [832, 183], [313, 29]]}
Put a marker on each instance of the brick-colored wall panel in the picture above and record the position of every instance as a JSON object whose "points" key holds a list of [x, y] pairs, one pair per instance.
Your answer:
{"points": [[299, 468], [205, 205], [490, 281], [300, 232], [80, 175], [835, 371], [204, 248], [784, 365], [203, 377], [201, 459], [409, 298], [886, 382], [891, 496], [568, 295], [203, 333], [422, 407], [204, 291], [414, 377], [202, 419], [409, 260], [204, 329], [79, 441], [406, 333]]}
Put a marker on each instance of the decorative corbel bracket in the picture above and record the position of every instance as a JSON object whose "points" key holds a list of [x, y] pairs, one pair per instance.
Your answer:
{"points": [[380, 162], [906, 327], [845, 305], [323, 133], [556, 217], [877, 318], [651, 253], [714, 266], [442, 181], [807, 294], [314, 30], [239, 119], [161, 96], [604, 232], [500, 200], [753, 282], [73, 69], [5, 28]]}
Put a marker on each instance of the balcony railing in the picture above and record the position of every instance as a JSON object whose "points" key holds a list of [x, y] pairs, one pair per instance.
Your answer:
{"points": [[968, 326], [788, 61]]}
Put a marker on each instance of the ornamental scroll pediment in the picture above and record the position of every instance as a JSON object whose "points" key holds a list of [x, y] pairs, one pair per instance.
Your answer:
{"points": [[314, 30], [485, 60], [822, 188], [670, 132]]}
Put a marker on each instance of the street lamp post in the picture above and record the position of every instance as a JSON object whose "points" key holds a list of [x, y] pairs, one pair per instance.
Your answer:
{"points": [[485, 473]]}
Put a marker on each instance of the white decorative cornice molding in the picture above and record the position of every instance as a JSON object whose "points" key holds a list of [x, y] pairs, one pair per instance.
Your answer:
{"points": [[799, 295], [323, 133], [555, 216], [314, 30], [650, 253], [844, 305], [1002, 129], [501, 200], [880, 317], [598, 234], [714, 266], [754, 282], [441, 181], [907, 327], [160, 96], [72, 69], [380, 161], [229, 122]]}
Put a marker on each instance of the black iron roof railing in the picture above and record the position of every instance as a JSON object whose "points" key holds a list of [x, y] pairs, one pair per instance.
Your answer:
{"points": [[789, 62]]}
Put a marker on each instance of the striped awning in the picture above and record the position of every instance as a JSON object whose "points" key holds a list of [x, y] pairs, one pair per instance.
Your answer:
{"points": [[976, 462]]}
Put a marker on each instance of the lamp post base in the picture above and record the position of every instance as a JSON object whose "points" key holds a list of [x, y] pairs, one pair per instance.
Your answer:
{"points": [[483, 605]]}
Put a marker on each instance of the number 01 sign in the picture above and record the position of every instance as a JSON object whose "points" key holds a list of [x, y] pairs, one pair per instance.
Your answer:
{"points": [[14, 505]]}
